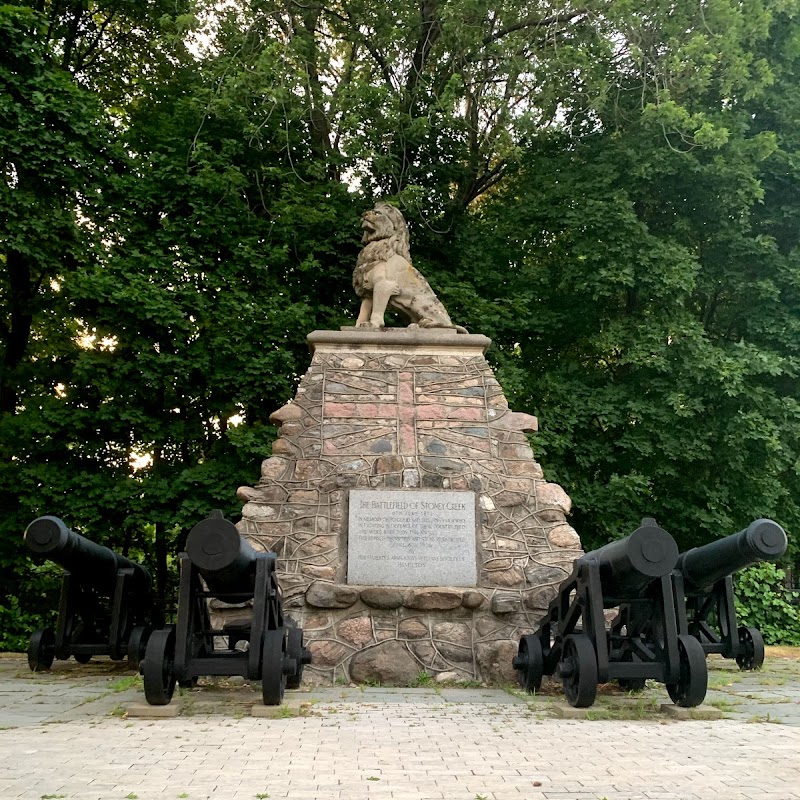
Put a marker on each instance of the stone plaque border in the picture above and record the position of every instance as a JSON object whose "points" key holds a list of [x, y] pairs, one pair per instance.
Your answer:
{"points": [[474, 566]]}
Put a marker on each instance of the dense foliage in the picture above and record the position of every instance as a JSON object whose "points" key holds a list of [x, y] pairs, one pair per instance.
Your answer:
{"points": [[609, 189], [764, 602]]}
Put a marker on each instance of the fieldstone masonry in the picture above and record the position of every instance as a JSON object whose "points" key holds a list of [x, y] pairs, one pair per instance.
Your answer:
{"points": [[407, 409]]}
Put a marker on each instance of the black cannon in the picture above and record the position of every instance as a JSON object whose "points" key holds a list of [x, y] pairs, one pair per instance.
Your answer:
{"points": [[703, 586], [107, 604], [643, 641], [219, 563]]}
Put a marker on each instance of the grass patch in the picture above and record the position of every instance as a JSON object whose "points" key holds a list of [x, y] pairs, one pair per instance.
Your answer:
{"points": [[422, 681], [723, 705], [123, 684], [765, 718], [641, 709]]}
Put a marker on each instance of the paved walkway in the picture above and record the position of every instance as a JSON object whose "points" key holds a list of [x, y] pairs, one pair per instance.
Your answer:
{"points": [[65, 734]]}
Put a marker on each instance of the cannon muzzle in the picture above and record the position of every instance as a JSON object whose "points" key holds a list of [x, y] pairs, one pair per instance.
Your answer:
{"points": [[762, 540], [628, 566], [223, 557], [90, 563]]}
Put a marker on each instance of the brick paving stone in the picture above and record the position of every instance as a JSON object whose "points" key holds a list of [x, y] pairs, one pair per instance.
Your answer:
{"points": [[453, 749]]}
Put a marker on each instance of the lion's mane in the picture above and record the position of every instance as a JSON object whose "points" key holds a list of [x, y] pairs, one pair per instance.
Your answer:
{"points": [[389, 239]]}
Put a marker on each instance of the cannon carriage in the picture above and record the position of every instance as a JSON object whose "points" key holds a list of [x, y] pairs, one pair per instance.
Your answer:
{"points": [[221, 564], [704, 591], [643, 641], [107, 605]]}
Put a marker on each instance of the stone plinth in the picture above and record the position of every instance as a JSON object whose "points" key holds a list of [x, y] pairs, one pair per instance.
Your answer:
{"points": [[415, 412]]}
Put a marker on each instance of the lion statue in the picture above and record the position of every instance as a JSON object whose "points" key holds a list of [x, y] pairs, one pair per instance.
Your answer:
{"points": [[385, 278]]}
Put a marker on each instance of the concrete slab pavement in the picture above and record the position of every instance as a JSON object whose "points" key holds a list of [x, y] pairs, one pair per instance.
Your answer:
{"points": [[65, 735]]}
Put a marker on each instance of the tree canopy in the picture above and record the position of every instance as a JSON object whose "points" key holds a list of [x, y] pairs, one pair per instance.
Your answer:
{"points": [[607, 188]]}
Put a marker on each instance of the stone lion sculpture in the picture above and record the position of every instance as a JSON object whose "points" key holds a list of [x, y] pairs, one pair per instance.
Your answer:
{"points": [[385, 278]]}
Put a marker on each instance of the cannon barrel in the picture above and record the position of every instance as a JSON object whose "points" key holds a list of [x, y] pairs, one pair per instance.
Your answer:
{"points": [[762, 540], [92, 564], [628, 566], [223, 557]]}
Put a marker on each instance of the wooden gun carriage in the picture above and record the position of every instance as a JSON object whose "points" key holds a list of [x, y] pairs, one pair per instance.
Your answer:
{"points": [[107, 604], [643, 641], [219, 563], [704, 591]]}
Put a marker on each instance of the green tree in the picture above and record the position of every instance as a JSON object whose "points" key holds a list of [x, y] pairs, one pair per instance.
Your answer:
{"points": [[54, 159], [645, 311]]}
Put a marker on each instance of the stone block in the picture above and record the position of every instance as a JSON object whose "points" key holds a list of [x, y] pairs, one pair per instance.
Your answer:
{"points": [[311, 469], [540, 574], [382, 597], [146, 711], [564, 536], [291, 412], [387, 464], [495, 660], [410, 478], [539, 598], [472, 600], [330, 595], [525, 468], [388, 663], [355, 630], [698, 712], [316, 621], [511, 577], [285, 448], [413, 628], [433, 599], [515, 451], [274, 468], [247, 493], [271, 494], [456, 633], [454, 653], [327, 652], [551, 495], [305, 496], [505, 603], [317, 572], [506, 498], [259, 512], [446, 467]]}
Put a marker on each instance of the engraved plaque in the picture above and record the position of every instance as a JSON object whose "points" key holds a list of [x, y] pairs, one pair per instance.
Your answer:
{"points": [[411, 538]]}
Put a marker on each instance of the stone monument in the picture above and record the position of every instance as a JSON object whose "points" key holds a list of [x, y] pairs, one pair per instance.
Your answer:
{"points": [[414, 529]]}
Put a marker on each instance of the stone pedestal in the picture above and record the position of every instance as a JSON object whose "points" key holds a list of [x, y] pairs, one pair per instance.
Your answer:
{"points": [[417, 417]]}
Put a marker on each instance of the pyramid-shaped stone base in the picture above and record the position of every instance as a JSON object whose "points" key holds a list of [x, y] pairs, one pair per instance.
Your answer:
{"points": [[403, 414]]}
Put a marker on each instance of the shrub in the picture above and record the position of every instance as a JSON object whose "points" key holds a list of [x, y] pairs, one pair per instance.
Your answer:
{"points": [[764, 602]]}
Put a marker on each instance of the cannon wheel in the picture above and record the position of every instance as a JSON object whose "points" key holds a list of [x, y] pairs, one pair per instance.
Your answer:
{"points": [[690, 690], [137, 645], [42, 650], [752, 643], [158, 669], [273, 678], [294, 650], [578, 670], [529, 663]]}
